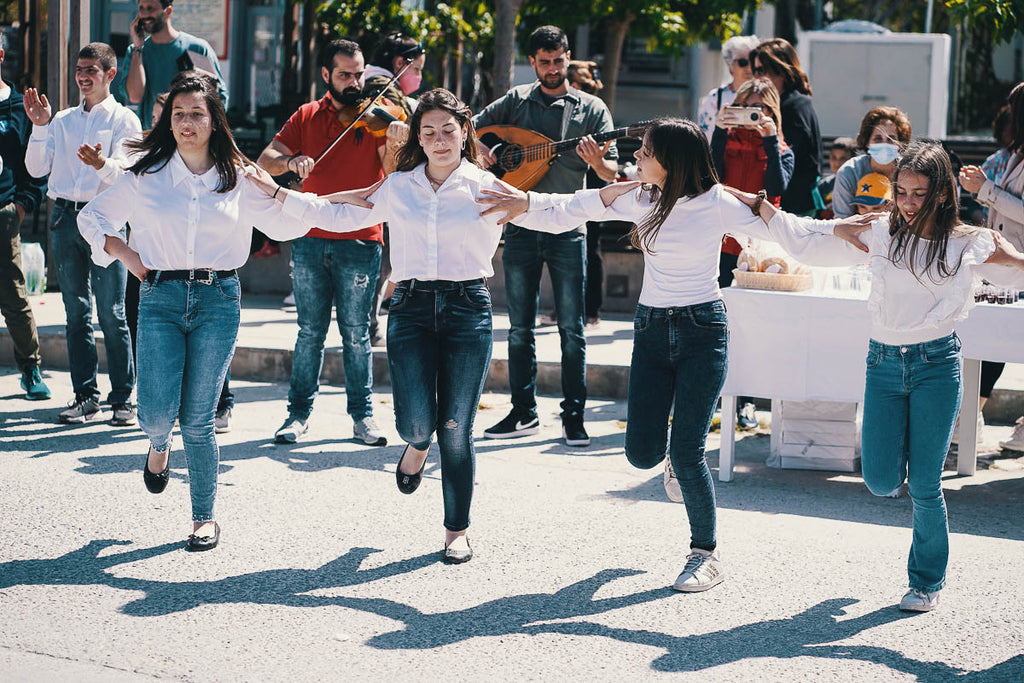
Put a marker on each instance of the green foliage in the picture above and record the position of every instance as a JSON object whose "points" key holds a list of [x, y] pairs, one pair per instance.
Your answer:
{"points": [[1003, 18], [445, 28], [669, 24]]}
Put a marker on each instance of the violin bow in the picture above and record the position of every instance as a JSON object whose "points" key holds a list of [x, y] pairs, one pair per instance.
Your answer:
{"points": [[409, 57]]}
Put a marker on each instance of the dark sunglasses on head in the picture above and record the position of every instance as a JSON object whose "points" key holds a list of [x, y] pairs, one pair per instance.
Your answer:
{"points": [[742, 62]]}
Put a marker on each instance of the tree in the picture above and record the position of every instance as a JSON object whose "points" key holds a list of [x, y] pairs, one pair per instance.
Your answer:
{"points": [[507, 15]]}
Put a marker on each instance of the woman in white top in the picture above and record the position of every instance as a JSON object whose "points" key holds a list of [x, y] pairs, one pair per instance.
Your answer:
{"points": [[192, 221], [439, 326], [923, 265], [680, 329]]}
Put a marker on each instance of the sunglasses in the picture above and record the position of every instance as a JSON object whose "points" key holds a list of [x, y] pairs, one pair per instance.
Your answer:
{"points": [[760, 71], [742, 62]]}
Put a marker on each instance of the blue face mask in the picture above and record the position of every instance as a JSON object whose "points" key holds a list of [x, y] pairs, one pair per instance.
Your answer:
{"points": [[883, 152]]}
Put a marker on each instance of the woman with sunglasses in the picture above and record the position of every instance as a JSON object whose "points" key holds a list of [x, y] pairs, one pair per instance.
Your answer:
{"points": [[776, 60], [736, 55]]}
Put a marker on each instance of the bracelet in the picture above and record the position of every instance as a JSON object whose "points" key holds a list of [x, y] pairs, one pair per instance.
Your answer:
{"points": [[274, 196], [756, 208]]}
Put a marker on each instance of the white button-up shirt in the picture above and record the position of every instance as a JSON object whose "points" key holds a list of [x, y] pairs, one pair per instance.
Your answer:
{"points": [[433, 235], [180, 222], [53, 148]]}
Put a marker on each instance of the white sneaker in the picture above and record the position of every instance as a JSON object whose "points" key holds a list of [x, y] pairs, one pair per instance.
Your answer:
{"points": [[981, 430], [367, 431], [703, 570], [919, 601], [1016, 442], [289, 300], [672, 488], [291, 431], [222, 421]]}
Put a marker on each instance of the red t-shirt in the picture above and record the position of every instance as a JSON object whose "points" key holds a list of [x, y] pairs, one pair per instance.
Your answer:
{"points": [[352, 164]]}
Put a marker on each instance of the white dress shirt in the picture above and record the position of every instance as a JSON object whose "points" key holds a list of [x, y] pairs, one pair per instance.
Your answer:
{"points": [[433, 235], [683, 268], [906, 309], [180, 222], [53, 148]]}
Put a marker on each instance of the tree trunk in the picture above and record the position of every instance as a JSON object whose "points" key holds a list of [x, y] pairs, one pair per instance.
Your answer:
{"points": [[459, 56], [504, 45], [615, 38]]}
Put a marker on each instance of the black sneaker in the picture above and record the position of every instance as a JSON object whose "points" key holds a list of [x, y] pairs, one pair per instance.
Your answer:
{"points": [[573, 431], [516, 424], [80, 410], [124, 415]]}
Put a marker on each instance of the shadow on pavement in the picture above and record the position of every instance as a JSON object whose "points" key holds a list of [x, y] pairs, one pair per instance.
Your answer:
{"points": [[808, 634]]}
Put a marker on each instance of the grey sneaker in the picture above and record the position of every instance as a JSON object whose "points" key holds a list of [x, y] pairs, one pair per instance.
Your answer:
{"points": [[80, 410], [124, 415], [919, 601], [672, 488], [222, 421], [367, 431], [703, 570], [291, 431]]}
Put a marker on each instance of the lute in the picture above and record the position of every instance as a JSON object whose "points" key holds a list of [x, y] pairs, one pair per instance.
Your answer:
{"points": [[523, 156]]}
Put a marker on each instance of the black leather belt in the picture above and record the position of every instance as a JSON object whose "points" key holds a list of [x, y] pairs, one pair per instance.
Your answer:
{"points": [[67, 203], [440, 284], [200, 275]]}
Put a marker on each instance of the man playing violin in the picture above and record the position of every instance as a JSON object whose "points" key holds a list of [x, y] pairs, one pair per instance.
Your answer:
{"points": [[330, 267], [552, 107]]}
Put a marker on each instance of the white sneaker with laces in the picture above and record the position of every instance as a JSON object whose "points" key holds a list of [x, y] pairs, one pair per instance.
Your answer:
{"points": [[1016, 442], [919, 601], [366, 430], [672, 488], [703, 570]]}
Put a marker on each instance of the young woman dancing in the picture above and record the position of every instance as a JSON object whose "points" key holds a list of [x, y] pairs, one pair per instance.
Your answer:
{"points": [[923, 264], [191, 221], [680, 328], [439, 327]]}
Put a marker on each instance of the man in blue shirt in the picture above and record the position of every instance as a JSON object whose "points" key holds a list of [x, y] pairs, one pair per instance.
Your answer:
{"points": [[163, 54]]}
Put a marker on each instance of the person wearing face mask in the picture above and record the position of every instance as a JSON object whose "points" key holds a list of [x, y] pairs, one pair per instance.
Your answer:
{"points": [[736, 55], [883, 132]]}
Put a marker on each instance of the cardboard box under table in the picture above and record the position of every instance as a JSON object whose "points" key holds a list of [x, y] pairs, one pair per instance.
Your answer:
{"points": [[803, 346]]}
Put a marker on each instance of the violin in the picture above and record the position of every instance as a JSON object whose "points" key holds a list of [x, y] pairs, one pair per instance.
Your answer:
{"points": [[375, 122]]}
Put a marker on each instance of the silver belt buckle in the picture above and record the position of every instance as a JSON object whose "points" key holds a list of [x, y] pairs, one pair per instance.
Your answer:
{"points": [[208, 280]]}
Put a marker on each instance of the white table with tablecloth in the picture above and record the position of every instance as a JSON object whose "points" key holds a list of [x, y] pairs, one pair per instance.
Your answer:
{"points": [[808, 346]]}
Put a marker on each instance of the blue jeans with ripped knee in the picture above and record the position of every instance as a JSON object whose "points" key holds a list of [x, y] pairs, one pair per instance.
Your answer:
{"points": [[439, 349], [342, 274]]}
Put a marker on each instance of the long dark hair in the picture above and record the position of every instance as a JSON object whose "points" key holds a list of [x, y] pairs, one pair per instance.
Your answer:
{"points": [[411, 154], [939, 212], [778, 56], [1016, 101], [158, 146], [681, 148]]}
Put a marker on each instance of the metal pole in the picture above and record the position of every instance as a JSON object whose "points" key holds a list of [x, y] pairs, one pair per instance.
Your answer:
{"points": [[928, 16]]}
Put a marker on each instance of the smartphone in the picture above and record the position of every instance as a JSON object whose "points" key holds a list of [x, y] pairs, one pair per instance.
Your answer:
{"points": [[739, 116], [140, 26]]}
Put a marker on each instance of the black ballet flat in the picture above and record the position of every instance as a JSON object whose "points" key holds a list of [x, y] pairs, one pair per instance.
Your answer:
{"points": [[156, 482], [200, 543], [407, 483]]}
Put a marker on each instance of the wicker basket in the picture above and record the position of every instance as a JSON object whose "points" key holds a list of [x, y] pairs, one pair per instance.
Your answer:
{"points": [[783, 283]]}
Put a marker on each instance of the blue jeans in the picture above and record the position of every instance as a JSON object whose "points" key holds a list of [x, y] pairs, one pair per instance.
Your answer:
{"points": [[439, 349], [523, 258], [186, 339], [80, 279], [911, 400], [343, 273], [679, 357]]}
